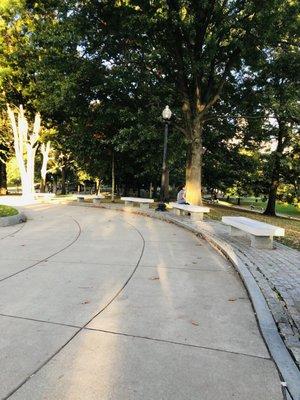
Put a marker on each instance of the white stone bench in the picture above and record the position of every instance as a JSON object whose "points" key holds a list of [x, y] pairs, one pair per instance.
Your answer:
{"points": [[261, 234], [97, 199], [44, 195], [144, 203], [82, 197], [196, 212]]}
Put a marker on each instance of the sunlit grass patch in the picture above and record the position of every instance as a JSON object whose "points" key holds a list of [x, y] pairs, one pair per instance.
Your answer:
{"points": [[6, 211]]}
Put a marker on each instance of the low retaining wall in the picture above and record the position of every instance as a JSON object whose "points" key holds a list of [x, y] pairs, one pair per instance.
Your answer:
{"points": [[13, 219]]}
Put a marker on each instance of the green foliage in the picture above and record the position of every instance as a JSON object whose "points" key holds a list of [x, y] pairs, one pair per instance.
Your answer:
{"points": [[6, 211], [101, 73], [13, 174]]}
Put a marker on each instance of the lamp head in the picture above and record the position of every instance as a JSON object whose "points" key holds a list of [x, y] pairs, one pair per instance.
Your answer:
{"points": [[167, 113]]}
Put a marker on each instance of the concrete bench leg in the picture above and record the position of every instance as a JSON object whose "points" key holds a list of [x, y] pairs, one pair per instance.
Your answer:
{"points": [[96, 201], [261, 242], [197, 216], [236, 232], [128, 204], [80, 199], [144, 206]]}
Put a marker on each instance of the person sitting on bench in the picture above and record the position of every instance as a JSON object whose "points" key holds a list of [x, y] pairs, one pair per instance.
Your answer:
{"points": [[181, 195]]}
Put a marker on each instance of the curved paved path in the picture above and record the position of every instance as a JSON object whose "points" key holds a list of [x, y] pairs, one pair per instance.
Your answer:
{"points": [[96, 304]]}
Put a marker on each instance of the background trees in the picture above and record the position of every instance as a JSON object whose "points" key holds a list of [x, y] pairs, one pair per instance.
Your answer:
{"points": [[196, 47], [101, 73]]}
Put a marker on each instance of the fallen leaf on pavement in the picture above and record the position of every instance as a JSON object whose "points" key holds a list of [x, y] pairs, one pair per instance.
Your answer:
{"points": [[231, 299], [195, 323], [155, 278], [86, 302]]}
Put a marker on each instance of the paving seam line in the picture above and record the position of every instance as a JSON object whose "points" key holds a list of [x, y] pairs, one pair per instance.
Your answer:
{"points": [[135, 336], [282, 358], [48, 257], [13, 233], [179, 343], [82, 328]]}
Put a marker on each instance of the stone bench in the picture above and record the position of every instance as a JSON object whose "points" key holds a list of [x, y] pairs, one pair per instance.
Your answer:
{"points": [[80, 199], [144, 203], [196, 212], [96, 199], [261, 234], [44, 195]]}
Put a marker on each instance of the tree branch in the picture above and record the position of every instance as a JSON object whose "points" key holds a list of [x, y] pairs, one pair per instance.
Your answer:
{"points": [[228, 66]]}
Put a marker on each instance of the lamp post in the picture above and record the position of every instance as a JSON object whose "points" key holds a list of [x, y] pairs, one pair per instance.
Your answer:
{"points": [[164, 191]]}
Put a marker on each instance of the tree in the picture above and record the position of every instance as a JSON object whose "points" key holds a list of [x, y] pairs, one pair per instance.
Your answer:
{"points": [[279, 79], [45, 150], [194, 47], [5, 150], [131, 59], [284, 131], [3, 178], [17, 74], [25, 146]]}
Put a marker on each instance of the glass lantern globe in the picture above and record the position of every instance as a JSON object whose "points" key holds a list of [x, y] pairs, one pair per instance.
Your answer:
{"points": [[167, 113]]}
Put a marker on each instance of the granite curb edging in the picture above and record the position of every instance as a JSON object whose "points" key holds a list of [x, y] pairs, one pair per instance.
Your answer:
{"points": [[283, 360], [13, 219]]}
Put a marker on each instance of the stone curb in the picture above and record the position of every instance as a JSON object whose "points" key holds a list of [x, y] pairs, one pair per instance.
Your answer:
{"points": [[13, 219], [285, 364]]}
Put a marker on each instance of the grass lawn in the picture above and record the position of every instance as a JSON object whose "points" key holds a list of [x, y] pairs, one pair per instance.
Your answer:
{"points": [[292, 228], [6, 211], [281, 208], [288, 209]]}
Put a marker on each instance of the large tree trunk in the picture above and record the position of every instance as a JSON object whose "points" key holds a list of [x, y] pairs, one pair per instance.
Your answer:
{"points": [[45, 150], [63, 180], [31, 151], [194, 166], [150, 190], [271, 206], [98, 186], [113, 177], [43, 185], [25, 145], [54, 189], [3, 182]]}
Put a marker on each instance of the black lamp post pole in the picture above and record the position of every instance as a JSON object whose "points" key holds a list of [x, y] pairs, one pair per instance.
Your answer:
{"points": [[164, 193]]}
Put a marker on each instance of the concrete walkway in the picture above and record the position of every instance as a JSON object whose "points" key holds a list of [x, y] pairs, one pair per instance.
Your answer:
{"points": [[96, 304]]}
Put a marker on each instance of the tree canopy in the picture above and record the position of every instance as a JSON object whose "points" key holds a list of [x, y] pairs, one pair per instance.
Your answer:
{"points": [[100, 74]]}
